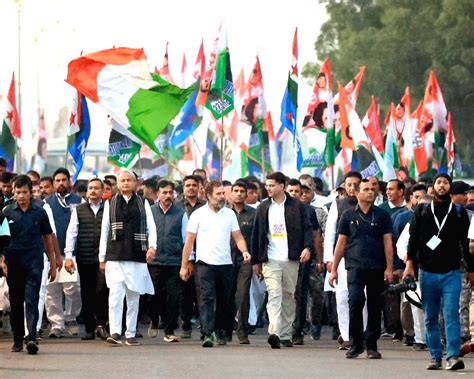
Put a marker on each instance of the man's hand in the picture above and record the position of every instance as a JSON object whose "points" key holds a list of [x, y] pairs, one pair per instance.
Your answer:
{"points": [[257, 269], [102, 266], [388, 276], [59, 262], [319, 268], [150, 255], [409, 270], [69, 265], [4, 268], [333, 278], [246, 257], [52, 272], [305, 255], [329, 266], [185, 272]]}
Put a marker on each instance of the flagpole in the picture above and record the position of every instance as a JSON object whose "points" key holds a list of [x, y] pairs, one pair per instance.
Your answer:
{"points": [[140, 164], [18, 157], [221, 158]]}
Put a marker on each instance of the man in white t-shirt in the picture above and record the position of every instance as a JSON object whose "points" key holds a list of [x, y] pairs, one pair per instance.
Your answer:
{"points": [[211, 227]]}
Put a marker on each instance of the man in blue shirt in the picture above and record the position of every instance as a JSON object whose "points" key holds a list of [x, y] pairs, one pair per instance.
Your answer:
{"points": [[23, 261]]}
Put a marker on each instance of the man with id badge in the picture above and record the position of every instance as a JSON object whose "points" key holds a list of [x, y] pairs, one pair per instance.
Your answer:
{"points": [[438, 239]]}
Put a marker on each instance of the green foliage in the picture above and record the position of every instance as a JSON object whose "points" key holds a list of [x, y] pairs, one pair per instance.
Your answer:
{"points": [[400, 41]]}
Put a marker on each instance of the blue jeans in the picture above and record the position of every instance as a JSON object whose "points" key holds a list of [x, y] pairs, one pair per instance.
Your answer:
{"points": [[445, 289]]}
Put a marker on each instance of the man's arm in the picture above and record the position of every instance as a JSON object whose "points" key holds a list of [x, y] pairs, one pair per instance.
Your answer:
{"points": [[241, 245], [151, 230], [48, 240], [388, 248], [71, 238], [330, 235], [59, 257], [338, 255], [186, 266], [104, 235]]}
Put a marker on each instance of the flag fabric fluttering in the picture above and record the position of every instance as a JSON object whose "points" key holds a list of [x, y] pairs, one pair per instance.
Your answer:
{"points": [[123, 147], [449, 145], [200, 64], [371, 124], [220, 100], [353, 88], [289, 107], [118, 80], [11, 128], [419, 149], [184, 67], [164, 71], [185, 123], [78, 133], [391, 147]]}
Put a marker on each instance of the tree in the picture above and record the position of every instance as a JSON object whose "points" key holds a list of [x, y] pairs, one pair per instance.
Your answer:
{"points": [[400, 41]]}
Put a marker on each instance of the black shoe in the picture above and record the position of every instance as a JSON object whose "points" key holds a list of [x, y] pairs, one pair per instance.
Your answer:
{"points": [[286, 343], [354, 352], [408, 340], [373, 354], [297, 340], [32, 347], [102, 332], [419, 347], [435, 364], [88, 336], [138, 334], [220, 338], [115, 339], [454, 364], [274, 341], [17, 347], [244, 340], [208, 341]]}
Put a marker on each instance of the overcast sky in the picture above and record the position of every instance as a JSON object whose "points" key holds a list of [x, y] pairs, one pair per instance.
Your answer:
{"points": [[53, 32]]}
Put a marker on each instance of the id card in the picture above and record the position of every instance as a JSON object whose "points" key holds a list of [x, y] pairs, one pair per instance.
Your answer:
{"points": [[433, 242]]}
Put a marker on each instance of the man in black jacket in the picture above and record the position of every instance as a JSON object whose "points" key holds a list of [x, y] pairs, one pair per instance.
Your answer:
{"points": [[281, 238], [436, 233]]}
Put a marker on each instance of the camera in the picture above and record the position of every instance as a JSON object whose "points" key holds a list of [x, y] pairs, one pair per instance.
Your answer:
{"points": [[409, 284]]}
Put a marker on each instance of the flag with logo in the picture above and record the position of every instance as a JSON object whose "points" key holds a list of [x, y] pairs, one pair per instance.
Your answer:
{"points": [[11, 128], [123, 147], [78, 133]]}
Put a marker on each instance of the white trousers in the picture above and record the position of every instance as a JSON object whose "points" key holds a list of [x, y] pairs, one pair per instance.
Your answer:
{"points": [[418, 318], [257, 298], [117, 293], [57, 313]]}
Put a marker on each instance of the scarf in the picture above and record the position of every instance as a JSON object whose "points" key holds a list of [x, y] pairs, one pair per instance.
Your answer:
{"points": [[116, 220]]}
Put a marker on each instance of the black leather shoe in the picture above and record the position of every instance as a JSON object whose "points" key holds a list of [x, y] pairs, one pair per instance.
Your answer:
{"points": [[373, 354], [274, 341], [297, 340], [454, 364], [102, 332], [435, 364], [32, 347], [244, 340], [17, 347], [286, 343], [354, 352], [88, 336]]}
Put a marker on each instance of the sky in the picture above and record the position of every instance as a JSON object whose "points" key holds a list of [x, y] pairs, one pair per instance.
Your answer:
{"points": [[53, 32]]}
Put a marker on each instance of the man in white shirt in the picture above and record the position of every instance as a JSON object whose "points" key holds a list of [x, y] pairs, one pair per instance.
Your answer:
{"points": [[127, 244], [212, 226]]}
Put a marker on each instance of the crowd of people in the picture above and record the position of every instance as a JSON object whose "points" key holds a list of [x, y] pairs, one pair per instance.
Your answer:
{"points": [[368, 259]]}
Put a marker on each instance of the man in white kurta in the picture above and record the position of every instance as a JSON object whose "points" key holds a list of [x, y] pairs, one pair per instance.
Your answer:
{"points": [[126, 272]]}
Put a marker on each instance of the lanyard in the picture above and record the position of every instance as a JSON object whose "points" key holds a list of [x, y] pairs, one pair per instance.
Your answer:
{"points": [[444, 219]]}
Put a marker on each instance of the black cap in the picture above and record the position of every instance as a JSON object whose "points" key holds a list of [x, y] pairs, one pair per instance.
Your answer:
{"points": [[459, 187], [443, 175]]}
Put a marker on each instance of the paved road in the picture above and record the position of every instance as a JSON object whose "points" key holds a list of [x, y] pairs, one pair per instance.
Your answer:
{"points": [[72, 358]]}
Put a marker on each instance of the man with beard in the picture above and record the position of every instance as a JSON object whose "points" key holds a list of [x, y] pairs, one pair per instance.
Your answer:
{"points": [[61, 204], [212, 226], [438, 239], [351, 180]]}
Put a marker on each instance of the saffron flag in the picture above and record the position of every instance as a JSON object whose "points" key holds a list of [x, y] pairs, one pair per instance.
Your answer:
{"points": [[11, 128], [78, 133], [352, 88], [419, 149], [200, 65], [289, 105], [371, 123], [220, 100], [449, 146], [118, 80]]}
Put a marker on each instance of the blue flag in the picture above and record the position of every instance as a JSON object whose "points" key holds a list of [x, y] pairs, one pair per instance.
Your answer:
{"points": [[185, 123], [78, 134]]}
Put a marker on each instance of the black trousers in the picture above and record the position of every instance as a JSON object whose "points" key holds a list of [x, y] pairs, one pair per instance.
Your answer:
{"points": [[24, 287], [301, 297], [215, 306], [94, 295], [165, 301], [188, 302], [240, 295], [373, 281]]}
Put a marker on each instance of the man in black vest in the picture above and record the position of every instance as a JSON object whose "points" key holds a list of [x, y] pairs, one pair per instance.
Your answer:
{"points": [[82, 238], [127, 243], [171, 222], [61, 203]]}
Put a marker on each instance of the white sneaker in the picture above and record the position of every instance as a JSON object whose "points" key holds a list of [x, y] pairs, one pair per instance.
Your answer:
{"points": [[72, 328], [171, 338]]}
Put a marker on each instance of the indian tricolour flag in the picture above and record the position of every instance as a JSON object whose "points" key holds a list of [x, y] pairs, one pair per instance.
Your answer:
{"points": [[119, 81]]}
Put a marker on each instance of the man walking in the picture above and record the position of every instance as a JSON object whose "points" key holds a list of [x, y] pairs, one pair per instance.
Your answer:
{"points": [[212, 226], [281, 239], [365, 240], [127, 243], [438, 239]]}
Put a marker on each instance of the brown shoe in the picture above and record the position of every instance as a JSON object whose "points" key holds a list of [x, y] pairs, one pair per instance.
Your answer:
{"points": [[466, 348]]}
